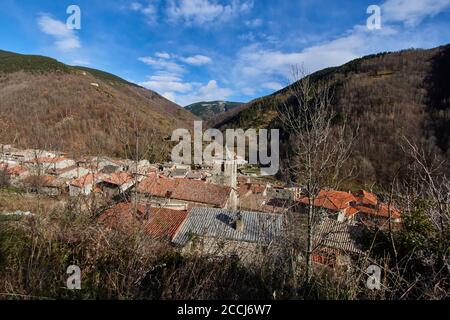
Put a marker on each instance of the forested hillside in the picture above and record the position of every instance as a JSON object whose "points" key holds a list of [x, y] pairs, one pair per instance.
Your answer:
{"points": [[47, 104], [208, 110], [390, 96]]}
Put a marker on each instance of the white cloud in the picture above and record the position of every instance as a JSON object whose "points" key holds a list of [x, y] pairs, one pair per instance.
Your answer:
{"points": [[213, 91], [166, 86], [197, 60], [166, 83], [65, 38], [254, 23], [249, 36], [272, 86], [264, 66], [169, 96], [136, 6], [169, 82], [202, 92], [164, 61], [249, 91], [162, 55], [200, 12], [412, 12], [68, 43], [149, 10], [163, 64], [166, 77], [185, 93]]}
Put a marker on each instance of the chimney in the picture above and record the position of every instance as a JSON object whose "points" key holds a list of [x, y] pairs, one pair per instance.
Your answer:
{"points": [[239, 222], [148, 212], [231, 173]]}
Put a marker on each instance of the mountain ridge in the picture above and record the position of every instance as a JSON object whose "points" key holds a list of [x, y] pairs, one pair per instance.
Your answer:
{"points": [[209, 109], [47, 104], [391, 95]]}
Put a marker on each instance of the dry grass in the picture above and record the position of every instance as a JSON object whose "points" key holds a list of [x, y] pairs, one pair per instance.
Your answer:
{"points": [[13, 200]]}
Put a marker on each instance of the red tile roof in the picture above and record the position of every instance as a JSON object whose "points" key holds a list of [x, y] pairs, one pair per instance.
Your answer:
{"points": [[84, 180], [15, 170], [258, 187], [162, 223], [333, 200], [350, 211], [118, 178], [44, 181], [366, 197], [120, 217], [360, 202], [382, 210], [367, 203], [186, 190]]}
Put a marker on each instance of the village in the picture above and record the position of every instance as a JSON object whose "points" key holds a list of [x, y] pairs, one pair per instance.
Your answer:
{"points": [[218, 208]]}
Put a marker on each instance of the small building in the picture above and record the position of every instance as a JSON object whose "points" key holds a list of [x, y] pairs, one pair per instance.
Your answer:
{"points": [[46, 184], [212, 232], [72, 172], [283, 192], [335, 204], [108, 165], [336, 244], [25, 155], [14, 171], [5, 150], [116, 184], [359, 207], [48, 163], [369, 210], [84, 185]]}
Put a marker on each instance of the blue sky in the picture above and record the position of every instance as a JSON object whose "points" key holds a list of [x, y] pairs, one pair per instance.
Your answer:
{"points": [[194, 50]]}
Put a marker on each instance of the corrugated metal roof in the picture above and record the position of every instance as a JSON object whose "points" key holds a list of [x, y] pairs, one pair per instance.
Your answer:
{"points": [[218, 223]]}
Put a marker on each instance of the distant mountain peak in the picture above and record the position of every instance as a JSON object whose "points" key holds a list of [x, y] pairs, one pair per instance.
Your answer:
{"points": [[209, 109]]}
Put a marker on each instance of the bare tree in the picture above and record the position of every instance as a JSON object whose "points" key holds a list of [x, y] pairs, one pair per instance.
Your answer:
{"points": [[431, 183], [320, 143], [4, 177]]}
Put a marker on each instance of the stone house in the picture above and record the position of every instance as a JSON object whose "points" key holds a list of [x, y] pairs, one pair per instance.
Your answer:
{"points": [[220, 232], [336, 244], [84, 185], [116, 184]]}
